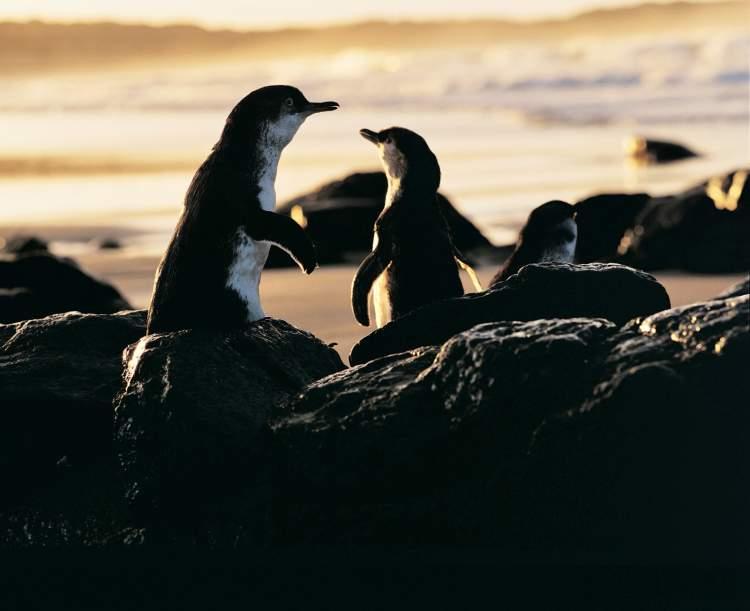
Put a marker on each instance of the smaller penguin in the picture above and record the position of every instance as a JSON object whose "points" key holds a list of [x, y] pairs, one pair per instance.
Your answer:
{"points": [[550, 234], [413, 260]]}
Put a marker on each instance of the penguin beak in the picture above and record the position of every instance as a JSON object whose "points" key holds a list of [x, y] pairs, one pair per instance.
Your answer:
{"points": [[370, 135], [313, 107]]}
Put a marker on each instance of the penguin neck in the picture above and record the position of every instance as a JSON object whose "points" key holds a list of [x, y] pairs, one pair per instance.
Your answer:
{"points": [[258, 156], [264, 176], [400, 187], [394, 191]]}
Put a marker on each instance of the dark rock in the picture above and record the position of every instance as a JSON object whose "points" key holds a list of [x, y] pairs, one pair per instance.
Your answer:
{"points": [[648, 151], [339, 218], [109, 244], [408, 448], [704, 229], [602, 221], [38, 285], [737, 290], [58, 376], [654, 463], [24, 245], [190, 422], [80, 506], [551, 290]]}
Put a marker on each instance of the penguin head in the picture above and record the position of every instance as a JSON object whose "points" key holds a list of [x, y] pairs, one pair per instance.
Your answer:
{"points": [[401, 151], [272, 114], [551, 225]]}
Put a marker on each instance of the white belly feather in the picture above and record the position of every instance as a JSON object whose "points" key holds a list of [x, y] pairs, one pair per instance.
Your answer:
{"points": [[381, 303], [244, 273]]}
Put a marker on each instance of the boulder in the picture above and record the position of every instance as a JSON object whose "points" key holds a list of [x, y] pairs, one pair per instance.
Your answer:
{"points": [[339, 218], [602, 221], [24, 245], [737, 290], [36, 285], [549, 290], [190, 421], [58, 376], [407, 448], [554, 440], [702, 230], [649, 151], [653, 463], [109, 244]]}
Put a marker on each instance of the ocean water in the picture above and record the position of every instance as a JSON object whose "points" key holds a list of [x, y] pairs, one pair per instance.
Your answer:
{"points": [[512, 126]]}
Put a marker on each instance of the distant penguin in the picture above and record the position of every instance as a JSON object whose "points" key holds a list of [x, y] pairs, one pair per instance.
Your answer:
{"points": [[209, 276], [413, 261], [550, 234]]}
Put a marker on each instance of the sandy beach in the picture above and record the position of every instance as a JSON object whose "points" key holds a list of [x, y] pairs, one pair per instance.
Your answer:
{"points": [[320, 303]]}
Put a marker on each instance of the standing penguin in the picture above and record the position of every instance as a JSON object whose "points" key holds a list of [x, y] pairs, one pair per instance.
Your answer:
{"points": [[550, 234], [210, 275], [413, 261]]}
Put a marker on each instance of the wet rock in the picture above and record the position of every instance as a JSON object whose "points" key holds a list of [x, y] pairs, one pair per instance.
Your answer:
{"points": [[602, 221], [37, 285], [406, 447], [24, 245], [190, 422], [650, 151], [737, 290], [58, 376], [339, 217], [82, 505], [702, 230], [550, 290], [109, 244], [653, 462]]}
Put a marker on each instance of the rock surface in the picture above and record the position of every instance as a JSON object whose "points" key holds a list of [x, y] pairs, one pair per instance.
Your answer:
{"points": [[550, 290], [24, 245], [36, 285], [639, 456], [190, 421], [403, 447], [654, 458], [650, 151], [602, 221], [339, 218], [58, 376], [737, 290], [703, 230], [553, 440]]}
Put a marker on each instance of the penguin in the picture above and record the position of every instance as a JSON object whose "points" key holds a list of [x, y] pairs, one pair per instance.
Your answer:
{"points": [[413, 260], [210, 274], [550, 234]]}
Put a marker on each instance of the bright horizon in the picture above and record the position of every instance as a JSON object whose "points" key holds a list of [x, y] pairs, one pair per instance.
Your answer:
{"points": [[241, 14]]}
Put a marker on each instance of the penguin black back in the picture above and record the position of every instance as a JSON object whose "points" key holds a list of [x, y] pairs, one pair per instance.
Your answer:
{"points": [[413, 259], [550, 234], [210, 273]]}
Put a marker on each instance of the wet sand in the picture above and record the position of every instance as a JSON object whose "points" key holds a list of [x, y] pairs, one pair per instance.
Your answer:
{"points": [[320, 303]]}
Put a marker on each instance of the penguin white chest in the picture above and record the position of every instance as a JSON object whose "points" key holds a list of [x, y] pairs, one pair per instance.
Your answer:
{"points": [[563, 252], [381, 301], [243, 276]]}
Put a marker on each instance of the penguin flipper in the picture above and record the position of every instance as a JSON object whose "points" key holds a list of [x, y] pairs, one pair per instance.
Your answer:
{"points": [[285, 233], [366, 275], [464, 264]]}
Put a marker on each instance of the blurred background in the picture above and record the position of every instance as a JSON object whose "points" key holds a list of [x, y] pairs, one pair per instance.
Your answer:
{"points": [[107, 108]]}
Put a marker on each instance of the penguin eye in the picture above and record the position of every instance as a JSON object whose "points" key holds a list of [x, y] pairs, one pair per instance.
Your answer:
{"points": [[388, 140], [289, 102]]}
